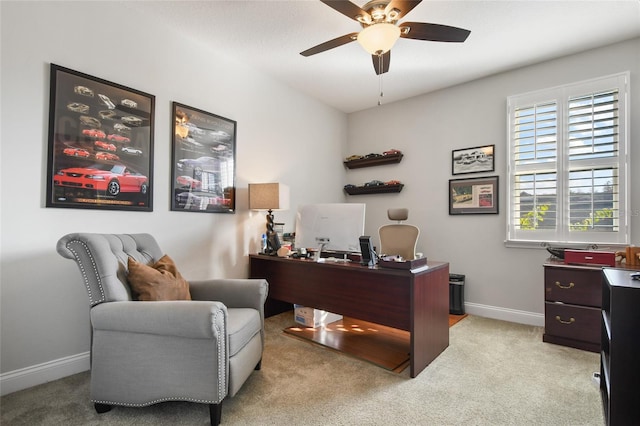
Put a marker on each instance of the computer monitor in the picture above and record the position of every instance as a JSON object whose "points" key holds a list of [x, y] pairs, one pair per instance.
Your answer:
{"points": [[332, 226]]}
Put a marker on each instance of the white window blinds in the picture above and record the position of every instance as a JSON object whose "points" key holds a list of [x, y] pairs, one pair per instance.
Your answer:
{"points": [[567, 164]]}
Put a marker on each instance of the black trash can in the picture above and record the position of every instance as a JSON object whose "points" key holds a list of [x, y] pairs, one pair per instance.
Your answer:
{"points": [[456, 294]]}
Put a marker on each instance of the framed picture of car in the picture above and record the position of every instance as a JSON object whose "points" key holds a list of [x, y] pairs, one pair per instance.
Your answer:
{"points": [[100, 153], [473, 196], [472, 160], [203, 161]]}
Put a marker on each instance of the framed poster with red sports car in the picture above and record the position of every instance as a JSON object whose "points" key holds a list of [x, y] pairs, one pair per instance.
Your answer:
{"points": [[100, 144], [203, 161]]}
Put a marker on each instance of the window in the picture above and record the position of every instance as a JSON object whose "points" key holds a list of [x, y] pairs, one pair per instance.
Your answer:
{"points": [[567, 164]]}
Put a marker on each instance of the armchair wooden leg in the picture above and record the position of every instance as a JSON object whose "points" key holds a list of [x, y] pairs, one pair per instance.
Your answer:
{"points": [[215, 412], [102, 408], [258, 365]]}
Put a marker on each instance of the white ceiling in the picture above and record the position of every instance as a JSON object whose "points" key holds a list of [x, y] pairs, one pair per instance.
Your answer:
{"points": [[505, 34]]}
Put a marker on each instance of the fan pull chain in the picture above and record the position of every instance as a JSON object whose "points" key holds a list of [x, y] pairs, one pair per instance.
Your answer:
{"points": [[380, 63]]}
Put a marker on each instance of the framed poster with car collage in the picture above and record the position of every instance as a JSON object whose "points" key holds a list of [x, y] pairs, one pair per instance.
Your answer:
{"points": [[100, 153], [203, 161], [100, 149]]}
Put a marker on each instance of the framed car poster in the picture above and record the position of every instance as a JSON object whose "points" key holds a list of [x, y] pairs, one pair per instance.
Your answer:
{"points": [[203, 161], [473, 160], [100, 144], [473, 196]]}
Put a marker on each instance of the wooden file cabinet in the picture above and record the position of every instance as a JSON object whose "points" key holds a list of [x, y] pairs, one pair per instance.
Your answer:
{"points": [[572, 309], [619, 367]]}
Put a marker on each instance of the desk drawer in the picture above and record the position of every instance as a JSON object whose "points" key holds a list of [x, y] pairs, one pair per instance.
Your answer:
{"points": [[573, 322], [574, 286]]}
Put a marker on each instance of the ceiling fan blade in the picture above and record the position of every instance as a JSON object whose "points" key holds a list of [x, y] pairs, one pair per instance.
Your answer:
{"points": [[404, 6], [348, 38], [381, 64], [433, 32], [347, 8]]}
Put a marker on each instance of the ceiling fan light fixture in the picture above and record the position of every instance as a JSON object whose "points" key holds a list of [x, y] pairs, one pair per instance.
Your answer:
{"points": [[378, 39]]}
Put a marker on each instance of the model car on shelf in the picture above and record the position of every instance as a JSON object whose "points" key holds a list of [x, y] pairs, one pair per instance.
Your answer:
{"points": [[392, 152], [373, 155], [354, 157], [374, 183], [392, 182], [94, 133], [76, 152], [108, 178], [106, 156], [105, 146]]}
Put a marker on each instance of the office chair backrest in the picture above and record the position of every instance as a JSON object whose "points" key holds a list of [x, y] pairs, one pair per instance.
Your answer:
{"points": [[399, 239]]}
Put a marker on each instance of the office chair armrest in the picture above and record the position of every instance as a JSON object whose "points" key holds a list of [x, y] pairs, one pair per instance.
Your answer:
{"points": [[233, 292], [182, 318]]}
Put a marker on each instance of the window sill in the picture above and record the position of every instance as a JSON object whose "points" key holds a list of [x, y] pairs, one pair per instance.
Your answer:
{"points": [[570, 245]]}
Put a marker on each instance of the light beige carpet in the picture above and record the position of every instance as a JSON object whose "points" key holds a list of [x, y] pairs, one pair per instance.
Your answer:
{"points": [[493, 373]]}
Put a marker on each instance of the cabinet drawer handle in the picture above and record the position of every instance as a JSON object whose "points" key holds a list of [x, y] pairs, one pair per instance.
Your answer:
{"points": [[559, 284], [561, 321]]}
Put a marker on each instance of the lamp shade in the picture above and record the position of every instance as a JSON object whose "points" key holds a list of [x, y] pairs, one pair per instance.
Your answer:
{"points": [[378, 38], [268, 196]]}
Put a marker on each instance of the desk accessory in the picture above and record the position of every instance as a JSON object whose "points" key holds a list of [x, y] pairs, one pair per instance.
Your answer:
{"points": [[269, 196], [369, 256], [587, 257], [405, 264]]}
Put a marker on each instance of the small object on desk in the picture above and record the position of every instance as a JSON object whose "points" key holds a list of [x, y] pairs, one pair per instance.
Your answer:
{"points": [[407, 264], [589, 257], [332, 260], [283, 252], [635, 276], [556, 252]]}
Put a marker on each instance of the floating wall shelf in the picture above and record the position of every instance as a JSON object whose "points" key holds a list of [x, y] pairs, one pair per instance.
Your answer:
{"points": [[381, 189], [374, 161]]}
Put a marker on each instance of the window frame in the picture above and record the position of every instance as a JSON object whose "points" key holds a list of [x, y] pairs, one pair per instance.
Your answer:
{"points": [[560, 95]]}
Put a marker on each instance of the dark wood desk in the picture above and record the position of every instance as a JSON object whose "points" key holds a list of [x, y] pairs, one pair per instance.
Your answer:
{"points": [[416, 301]]}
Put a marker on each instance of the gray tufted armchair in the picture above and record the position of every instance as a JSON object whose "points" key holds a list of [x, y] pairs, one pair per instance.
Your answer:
{"points": [[200, 350]]}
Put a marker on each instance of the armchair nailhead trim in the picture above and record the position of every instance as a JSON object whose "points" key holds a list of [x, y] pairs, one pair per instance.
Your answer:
{"points": [[146, 404], [84, 273], [222, 377]]}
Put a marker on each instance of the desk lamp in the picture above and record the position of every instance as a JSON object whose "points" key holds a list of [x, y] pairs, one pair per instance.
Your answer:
{"points": [[269, 196]]}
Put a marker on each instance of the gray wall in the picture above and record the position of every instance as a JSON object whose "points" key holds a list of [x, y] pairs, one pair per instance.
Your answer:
{"points": [[44, 307], [501, 282]]}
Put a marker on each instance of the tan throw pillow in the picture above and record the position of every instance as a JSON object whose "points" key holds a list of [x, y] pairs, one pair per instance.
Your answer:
{"points": [[160, 281]]}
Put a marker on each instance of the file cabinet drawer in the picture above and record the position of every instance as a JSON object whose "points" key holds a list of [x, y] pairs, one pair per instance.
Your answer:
{"points": [[575, 286], [573, 322]]}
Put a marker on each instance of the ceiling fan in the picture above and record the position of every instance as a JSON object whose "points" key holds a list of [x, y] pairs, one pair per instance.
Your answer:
{"points": [[379, 20]]}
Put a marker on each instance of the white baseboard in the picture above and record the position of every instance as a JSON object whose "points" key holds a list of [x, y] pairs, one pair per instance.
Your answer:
{"points": [[505, 314], [24, 378]]}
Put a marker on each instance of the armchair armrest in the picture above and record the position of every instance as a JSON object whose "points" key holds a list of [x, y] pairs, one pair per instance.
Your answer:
{"points": [[182, 318], [233, 292]]}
